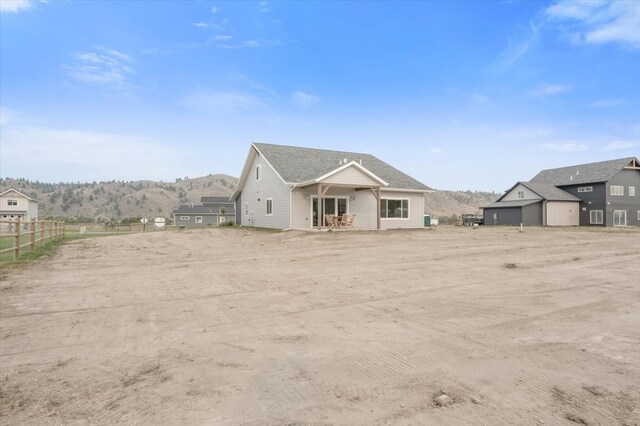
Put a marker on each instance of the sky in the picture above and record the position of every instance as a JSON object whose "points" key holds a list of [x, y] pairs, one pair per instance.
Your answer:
{"points": [[460, 95]]}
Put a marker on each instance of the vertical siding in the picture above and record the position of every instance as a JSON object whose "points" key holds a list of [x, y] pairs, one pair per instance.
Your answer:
{"points": [[563, 213], [528, 194], [256, 193], [532, 214]]}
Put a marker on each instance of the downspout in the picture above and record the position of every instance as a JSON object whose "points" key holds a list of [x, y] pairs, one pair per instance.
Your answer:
{"points": [[290, 208]]}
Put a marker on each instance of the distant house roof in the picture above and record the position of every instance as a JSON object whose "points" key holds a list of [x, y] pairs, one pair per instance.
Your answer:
{"points": [[213, 200], [204, 210], [546, 191], [584, 173], [512, 203], [18, 193], [297, 165]]}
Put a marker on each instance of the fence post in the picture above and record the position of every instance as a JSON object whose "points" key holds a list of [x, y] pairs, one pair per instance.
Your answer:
{"points": [[33, 234], [55, 230], [41, 222], [16, 252]]}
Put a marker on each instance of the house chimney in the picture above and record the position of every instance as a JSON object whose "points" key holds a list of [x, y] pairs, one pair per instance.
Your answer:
{"points": [[345, 161]]}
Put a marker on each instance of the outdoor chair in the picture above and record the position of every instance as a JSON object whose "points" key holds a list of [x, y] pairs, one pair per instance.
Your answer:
{"points": [[331, 221], [347, 221]]}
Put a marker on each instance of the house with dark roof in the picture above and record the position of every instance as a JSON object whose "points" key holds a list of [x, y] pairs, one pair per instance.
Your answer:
{"points": [[211, 212], [594, 194], [287, 187]]}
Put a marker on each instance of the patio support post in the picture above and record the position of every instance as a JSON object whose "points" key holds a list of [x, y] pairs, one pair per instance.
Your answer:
{"points": [[319, 207], [376, 193]]}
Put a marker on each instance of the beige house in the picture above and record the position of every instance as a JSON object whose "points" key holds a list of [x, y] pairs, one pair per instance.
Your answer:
{"points": [[287, 187], [15, 205]]}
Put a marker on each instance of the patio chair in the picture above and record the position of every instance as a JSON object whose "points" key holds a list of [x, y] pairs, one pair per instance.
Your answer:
{"points": [[347, 221], [331, 221]]}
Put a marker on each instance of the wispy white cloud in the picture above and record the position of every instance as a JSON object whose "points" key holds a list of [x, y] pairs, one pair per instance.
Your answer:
{"points": [[15, 6], [221, 37], [66, 153], [516, 48], [103, 66], [6, 115], [200, 24], [544, 90], [617, 146], [304, 100], [435, 150], [214, 9], [599, 22], [605, 103], [565, 147], [480, 98], [264, 7]]}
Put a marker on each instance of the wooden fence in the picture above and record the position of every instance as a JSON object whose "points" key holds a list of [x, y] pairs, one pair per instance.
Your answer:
{"points": [[34, 232]]}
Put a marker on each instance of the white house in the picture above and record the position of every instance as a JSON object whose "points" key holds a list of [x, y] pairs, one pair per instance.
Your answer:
{"points": [[286, 187], [14, 204]]}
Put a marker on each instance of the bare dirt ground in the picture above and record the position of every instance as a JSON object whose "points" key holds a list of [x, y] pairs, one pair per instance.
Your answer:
{"points": [[234, 326]]}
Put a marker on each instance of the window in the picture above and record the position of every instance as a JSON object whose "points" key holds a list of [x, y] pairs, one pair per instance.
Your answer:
{"points": [[585, 189], [595, 217], [184, 217], [616, 190], [394, 209], [269, 206], [246, 209], [632, 191], [258, 172], [12, 202], [638, 214], [198, 219], [520, 194]]}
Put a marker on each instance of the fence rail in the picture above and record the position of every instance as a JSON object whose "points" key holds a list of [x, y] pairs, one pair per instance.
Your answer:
{"points": [[27, 234]]}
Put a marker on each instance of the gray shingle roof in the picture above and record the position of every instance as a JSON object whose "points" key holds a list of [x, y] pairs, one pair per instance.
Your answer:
{"points": [[549, 192], [297, 165], [582, 173], [203, 210], [221, 200], [513, 203]]}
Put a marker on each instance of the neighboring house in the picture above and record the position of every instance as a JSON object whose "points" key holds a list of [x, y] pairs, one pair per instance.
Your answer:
{"points": [[595, 194], [14, 204], [212, 211], [286, 187]]}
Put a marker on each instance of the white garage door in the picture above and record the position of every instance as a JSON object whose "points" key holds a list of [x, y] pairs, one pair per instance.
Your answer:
{"points": [[563, 213]]}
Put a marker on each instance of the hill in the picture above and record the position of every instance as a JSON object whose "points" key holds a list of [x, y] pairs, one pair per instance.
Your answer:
{"points": [[117, 200], [104, 201]]}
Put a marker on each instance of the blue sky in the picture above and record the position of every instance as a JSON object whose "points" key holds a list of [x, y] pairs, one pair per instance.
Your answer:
{"points": [[460, 95]]}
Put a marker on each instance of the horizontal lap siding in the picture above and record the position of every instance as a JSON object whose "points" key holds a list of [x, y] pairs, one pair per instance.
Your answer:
{"points": [[506, 216], [255, 192], [528, 194], [626, 202], [416, 210], [350, 176]]}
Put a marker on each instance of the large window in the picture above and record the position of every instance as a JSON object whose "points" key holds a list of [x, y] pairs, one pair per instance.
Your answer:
{"points": [[394, 208], [269, 206], [258, 172], [12, 202], [632, 191], [585, 189], [595, 217], [616, 190]]}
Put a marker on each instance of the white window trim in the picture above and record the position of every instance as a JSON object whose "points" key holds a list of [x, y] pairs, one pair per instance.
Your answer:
{"points": [[621, 190], [259, 172], [521, 193], [398, 218], [585, 189], [198, 219], [267, 206], [626, 219], [591, 222], [632, 191], [185, 217], [12, 202]]}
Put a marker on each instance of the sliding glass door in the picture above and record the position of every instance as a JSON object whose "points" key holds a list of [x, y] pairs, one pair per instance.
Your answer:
{"points": [[330, 205]]}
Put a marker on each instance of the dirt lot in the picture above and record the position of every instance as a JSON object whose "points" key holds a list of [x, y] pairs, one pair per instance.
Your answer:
{"points": [[250, 327]]}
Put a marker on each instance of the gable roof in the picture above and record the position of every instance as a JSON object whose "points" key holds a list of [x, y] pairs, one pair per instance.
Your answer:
{"points": [[583, 173], [19, 193], [298, 165], [546, 191], [204, 210]]}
